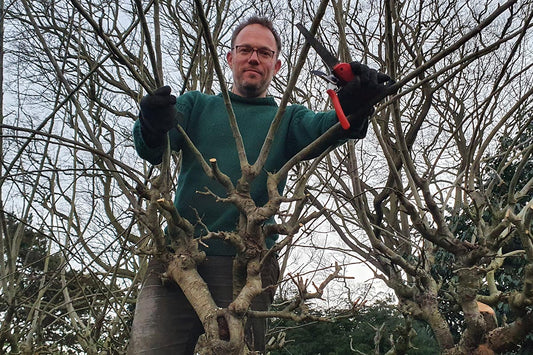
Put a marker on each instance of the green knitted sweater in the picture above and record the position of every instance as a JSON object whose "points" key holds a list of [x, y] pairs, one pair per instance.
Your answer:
{"points": [[206, 122]]}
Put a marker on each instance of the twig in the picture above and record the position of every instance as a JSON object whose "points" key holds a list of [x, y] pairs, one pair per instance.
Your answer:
{"points": [[148, 42], [112, 47], [231, 115]]}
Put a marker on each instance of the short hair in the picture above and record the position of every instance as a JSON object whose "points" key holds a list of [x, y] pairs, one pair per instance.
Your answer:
{"points": [[263, 21]]}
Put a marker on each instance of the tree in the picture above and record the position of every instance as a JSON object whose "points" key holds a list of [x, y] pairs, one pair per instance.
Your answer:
{"points": [[508, 275], [73, 73], [434, 198]]}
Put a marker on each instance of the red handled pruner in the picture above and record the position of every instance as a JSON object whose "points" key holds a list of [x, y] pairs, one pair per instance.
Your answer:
{"points": [[341, 73]]}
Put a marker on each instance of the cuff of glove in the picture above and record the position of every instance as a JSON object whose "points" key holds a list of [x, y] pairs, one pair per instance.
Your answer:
{"points": [[152, 138], [359, 123]]}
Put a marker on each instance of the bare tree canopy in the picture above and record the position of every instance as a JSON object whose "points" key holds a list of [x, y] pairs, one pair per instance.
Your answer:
{"points": [[437, 200]]}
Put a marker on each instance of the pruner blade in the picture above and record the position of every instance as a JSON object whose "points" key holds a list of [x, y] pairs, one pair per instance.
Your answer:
{"points": [[331, 79]]}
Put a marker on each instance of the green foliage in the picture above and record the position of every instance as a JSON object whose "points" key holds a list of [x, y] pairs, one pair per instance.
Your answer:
{"points": [[346, 335]]}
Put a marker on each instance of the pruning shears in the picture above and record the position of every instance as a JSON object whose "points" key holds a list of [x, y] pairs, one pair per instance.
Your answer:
{"points": [[340, 73]]}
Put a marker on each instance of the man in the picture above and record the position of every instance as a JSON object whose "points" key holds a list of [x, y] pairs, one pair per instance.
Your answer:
{"points": [[253, 60]]}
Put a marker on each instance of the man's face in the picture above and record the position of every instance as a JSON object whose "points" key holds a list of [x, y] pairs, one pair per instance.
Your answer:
{"points": [[253, 72]]}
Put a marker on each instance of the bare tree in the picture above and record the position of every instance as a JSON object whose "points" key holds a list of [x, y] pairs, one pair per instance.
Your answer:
{"points": [[74, 72], [469, 84]]}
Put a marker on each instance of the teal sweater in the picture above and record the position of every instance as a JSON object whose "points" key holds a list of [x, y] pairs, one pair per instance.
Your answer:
{"points": [[206, 122]]}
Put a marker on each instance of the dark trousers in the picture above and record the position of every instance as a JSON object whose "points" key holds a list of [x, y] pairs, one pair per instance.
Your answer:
{"points": [[165, 322]]}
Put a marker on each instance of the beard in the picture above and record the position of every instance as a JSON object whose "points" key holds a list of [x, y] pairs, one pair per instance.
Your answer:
{"points": [[251, 88]]}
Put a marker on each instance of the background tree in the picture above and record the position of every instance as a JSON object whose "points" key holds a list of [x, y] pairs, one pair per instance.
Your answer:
{"points": [[374, 330], [72, 76]]}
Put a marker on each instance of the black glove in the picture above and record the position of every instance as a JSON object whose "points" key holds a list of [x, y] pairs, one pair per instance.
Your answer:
{"points": [[158, 115], [359, 96], [366, 89]]}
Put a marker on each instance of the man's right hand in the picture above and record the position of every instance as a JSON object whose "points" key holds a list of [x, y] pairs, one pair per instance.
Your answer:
{"points": [[367, 88], [158, 115]]}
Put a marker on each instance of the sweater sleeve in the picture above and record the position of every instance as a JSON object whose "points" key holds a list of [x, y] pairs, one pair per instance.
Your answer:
{"points": [[305, 126]]}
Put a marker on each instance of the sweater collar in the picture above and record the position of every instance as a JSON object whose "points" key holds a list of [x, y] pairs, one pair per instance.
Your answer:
{"points": [[269, 100]]}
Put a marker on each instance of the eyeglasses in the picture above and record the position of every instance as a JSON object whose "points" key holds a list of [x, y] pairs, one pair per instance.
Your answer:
{"points": [[247, 51]]}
